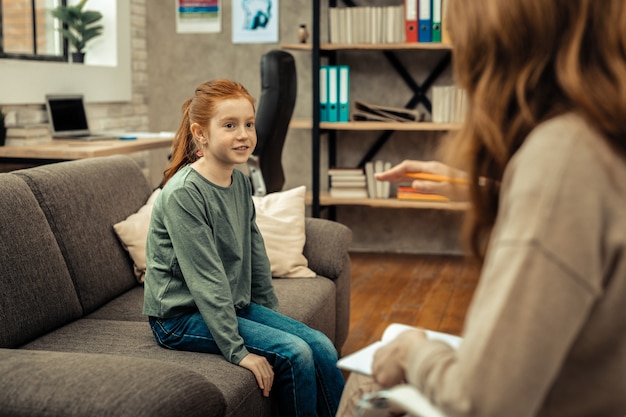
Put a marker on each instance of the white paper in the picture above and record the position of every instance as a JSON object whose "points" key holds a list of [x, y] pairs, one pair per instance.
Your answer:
{"points": [[361, 360]]}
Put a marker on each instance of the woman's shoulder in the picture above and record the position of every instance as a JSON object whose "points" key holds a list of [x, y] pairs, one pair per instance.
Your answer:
{"points": [[564, 143], [565, 152]]}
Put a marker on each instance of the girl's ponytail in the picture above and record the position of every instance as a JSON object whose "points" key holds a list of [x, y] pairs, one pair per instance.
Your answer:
{"points": [[184, 149]]}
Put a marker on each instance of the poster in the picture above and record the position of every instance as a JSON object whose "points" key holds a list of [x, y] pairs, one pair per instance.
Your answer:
{"points": [[198, 16], [255, 21]]}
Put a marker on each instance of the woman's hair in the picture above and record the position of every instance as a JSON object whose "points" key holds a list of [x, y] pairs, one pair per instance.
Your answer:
{"points": [[200, 108], [522, 62]]}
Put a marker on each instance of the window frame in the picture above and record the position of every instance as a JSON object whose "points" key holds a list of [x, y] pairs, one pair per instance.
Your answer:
{"points": [[26, 82], [64, 57]]}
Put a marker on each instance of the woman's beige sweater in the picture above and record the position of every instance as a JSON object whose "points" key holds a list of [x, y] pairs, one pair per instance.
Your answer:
{"points": [[546, 332]]}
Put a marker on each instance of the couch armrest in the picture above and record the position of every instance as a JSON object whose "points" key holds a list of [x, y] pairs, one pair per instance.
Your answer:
{"points": [[326, 250], [38, 383]]}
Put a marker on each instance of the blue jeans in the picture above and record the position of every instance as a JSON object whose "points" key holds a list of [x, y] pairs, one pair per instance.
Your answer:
{"points": [[306, 377]]}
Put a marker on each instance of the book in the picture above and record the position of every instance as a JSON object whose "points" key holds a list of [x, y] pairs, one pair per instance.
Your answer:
{"points": [[435, 177], [347, 178], [28, 131], [361, 360], [409, 193], [27, 141], [345, 171], [367, 24], [347, 182], [356, 192], [449, 104], [386, 184], [370, 179], [376, 112], [359, 116], [343, 183]]}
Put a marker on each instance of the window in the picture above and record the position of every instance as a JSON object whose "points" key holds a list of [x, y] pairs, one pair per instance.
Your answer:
{"points": [[104, 77], [28, 31]]}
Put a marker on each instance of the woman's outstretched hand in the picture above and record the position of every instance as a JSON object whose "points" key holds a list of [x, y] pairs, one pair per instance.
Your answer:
{"points": [[455, 191], [262, 371]]}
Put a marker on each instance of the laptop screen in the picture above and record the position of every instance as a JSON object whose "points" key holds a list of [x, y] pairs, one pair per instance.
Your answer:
{"points": [[67, 115]]}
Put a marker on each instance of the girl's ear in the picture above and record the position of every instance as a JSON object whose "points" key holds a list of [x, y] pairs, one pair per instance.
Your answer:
{"points": [[197, 130]]}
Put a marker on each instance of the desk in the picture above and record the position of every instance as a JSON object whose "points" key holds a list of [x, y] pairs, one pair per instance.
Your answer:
{"points": [[153, 161], [66, 149], [57, 150]]}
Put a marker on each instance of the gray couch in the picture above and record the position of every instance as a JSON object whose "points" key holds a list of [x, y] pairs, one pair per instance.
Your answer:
{"points": [[73, 340]]}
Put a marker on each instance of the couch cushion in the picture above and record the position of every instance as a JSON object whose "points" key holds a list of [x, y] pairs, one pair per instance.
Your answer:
{"points": [[126, 307], [79, 384], [309, 300], [82, 209], [134, 339], [133, 233], [280, 217], [36, 291]]}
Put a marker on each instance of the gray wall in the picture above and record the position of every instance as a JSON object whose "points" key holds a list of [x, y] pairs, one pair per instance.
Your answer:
{"points": [[177, 63]]}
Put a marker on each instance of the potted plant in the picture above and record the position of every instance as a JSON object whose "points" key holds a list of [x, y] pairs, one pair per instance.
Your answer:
{"points": [[79, 26]]}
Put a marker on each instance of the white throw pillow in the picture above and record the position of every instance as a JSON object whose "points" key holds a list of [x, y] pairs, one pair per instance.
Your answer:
{"points": [[280, 217], [133, 233]]}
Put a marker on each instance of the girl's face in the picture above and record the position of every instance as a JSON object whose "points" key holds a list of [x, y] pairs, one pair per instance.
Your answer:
{"points": [[231, 134]]}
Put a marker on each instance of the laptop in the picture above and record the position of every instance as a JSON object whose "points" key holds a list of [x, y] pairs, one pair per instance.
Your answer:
{"points": [[68, 118]]}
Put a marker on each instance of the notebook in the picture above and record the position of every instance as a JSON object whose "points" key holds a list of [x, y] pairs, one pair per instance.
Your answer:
{"points": [[68, 118]]}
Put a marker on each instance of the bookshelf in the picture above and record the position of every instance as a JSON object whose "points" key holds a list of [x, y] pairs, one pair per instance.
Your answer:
{"points": [[369, 47], [371, 126], [318, 198], [327, 200]]}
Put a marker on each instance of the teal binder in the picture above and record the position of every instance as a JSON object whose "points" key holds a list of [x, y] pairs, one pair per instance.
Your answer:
{"points": [[333, 93], [344, 93], [324, 93], [436, 32]]}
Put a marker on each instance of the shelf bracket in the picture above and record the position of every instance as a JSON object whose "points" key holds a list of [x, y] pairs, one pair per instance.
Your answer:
{"points": [[419, 96]]}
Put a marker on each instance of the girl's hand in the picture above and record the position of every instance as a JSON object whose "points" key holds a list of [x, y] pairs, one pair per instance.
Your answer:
{"points": [[389, 364], [455, 192], [262, 371]]}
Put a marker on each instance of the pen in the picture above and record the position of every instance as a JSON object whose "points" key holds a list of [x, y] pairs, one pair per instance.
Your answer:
{"points": [[435, 177]]}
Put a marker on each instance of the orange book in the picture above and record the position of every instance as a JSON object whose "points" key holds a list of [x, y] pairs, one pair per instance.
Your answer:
{"points": [[435, 177], [408, 193]]}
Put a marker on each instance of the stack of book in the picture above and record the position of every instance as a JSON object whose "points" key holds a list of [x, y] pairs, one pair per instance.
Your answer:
{"points": [[375, 188], [449, 104], [25, 135], [347, 183], [409, 193], [367, 24], [377, 113]]}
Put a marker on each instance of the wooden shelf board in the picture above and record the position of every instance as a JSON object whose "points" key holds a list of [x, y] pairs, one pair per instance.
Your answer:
{"points": [[327, 200], [408, 126], [370, 46]]}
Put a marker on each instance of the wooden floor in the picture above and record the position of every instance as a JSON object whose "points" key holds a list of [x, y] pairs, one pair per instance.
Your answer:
{"points": [[429, 291]]}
